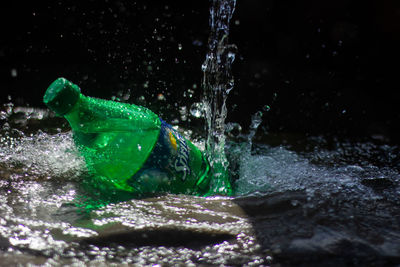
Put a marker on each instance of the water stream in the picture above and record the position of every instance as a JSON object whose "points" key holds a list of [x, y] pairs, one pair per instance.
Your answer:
{"points": [[217, 82]]}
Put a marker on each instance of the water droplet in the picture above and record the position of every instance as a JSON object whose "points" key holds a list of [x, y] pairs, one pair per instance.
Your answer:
{"points": [[14, 73], [233, 129], [204, 66], [183, 112], [190, 93], [160, 97], [294, 202], [127, 95], [197, 43], [231, 57], [197, 109]]}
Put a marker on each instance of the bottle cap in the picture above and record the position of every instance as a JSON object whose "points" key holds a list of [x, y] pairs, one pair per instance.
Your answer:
{"points": [[61, 96]]}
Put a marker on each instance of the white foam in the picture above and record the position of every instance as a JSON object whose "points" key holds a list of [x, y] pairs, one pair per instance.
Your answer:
{"points": [[42, 155]]}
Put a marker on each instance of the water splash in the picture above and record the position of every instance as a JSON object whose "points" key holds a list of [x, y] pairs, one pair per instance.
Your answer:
{"points": [[41, 155], [274, 185], [217, 83]]}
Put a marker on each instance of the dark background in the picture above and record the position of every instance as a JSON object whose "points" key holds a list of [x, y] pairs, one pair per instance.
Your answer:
{"points": [[323, 67]]}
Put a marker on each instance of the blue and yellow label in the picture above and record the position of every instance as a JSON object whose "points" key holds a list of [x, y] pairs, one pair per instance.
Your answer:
{"points": [[179, 151], [170, 156], [172, 140], [175, 165]]}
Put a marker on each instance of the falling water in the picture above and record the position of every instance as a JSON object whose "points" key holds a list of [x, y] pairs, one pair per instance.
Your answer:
{"points": [[218, 80]]}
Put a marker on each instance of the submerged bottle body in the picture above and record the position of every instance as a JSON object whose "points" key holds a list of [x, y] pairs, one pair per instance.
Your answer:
{"points": [[130, 148]]}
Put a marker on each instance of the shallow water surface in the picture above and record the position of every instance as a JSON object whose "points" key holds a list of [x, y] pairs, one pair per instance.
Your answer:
{"points": [[300, 201]]}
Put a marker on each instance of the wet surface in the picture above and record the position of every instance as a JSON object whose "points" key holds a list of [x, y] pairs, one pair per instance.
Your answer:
{"points": [[308, 201]]}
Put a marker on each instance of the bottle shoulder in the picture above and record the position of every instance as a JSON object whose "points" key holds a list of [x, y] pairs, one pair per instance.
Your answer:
{"points": [[108, 108], [99, 115]]}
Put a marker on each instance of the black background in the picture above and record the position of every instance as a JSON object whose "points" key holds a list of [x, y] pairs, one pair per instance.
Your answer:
{"points": [[323, 67]]}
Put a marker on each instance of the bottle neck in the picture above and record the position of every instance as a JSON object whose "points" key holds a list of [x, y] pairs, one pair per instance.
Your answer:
{"points": [[73, 115], [61, 96]]}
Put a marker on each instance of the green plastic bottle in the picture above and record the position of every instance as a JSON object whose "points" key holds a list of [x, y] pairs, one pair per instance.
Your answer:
{"points": [[128, 147]]}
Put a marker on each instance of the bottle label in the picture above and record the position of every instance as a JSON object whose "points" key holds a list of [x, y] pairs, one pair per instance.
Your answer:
{"points": [[179, 158], [168, 165]]}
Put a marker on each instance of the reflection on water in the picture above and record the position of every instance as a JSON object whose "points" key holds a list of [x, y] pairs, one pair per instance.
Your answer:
{"points": [[308, 201]]}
